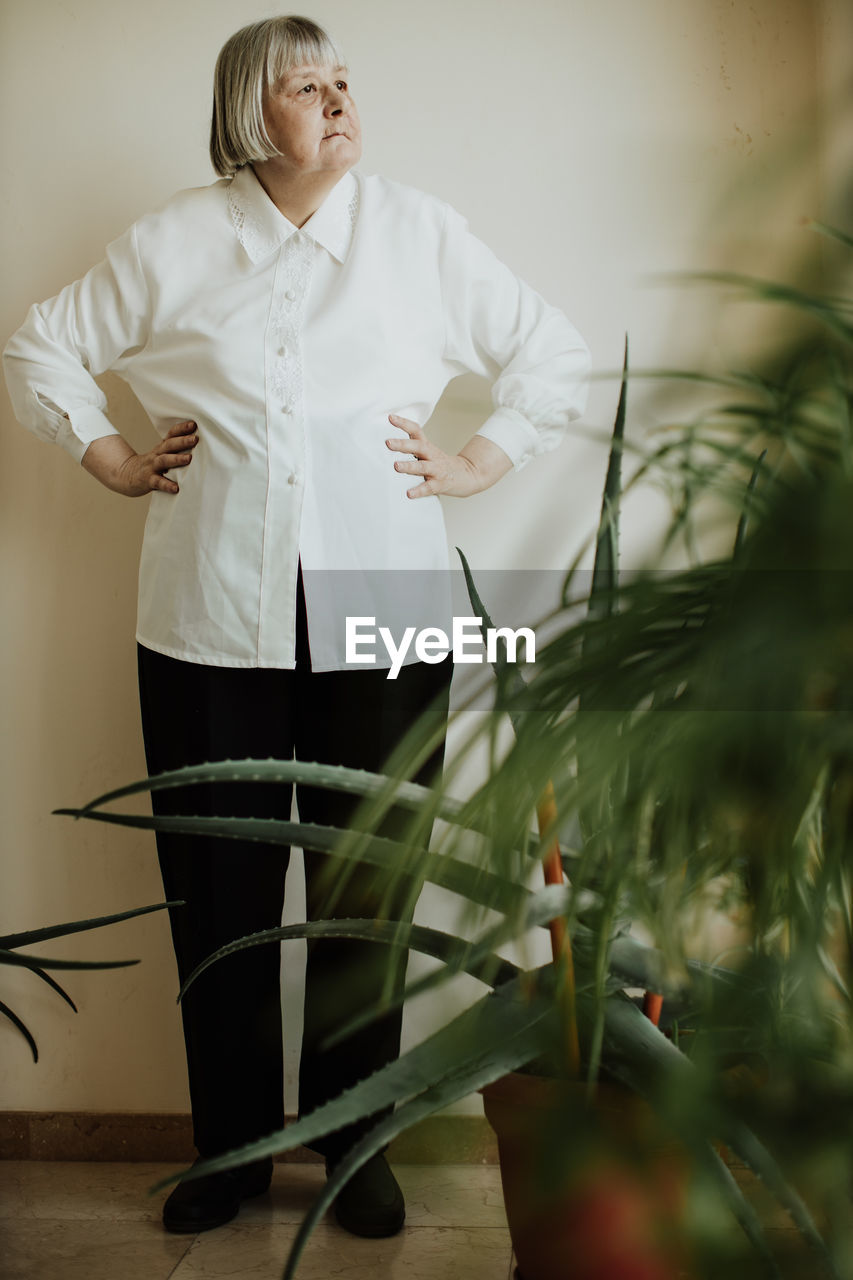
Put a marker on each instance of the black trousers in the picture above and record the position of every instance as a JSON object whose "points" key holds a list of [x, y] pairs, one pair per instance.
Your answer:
{"points": [[232, 1015]]}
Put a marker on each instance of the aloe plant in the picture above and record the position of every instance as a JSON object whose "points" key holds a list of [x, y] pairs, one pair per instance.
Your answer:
{"points": [[39, 965], [517, 1022], [698, 723]]}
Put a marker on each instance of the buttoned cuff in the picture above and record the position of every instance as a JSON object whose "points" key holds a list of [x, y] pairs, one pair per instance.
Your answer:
{"points": [[81, 427], [512, 432]]}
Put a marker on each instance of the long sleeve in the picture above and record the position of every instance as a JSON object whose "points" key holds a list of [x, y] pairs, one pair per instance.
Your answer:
{"points": [[499, 327], [50, 362], [289, 347]]}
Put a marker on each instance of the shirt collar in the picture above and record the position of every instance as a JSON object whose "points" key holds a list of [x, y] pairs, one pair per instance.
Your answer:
{"points": [[261, 227]]}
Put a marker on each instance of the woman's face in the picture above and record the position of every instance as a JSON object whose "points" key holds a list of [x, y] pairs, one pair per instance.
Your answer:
{"points": [[312, 120]]}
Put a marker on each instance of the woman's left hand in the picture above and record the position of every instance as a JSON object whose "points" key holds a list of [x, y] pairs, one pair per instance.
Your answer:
{"points": [[473, 469]]}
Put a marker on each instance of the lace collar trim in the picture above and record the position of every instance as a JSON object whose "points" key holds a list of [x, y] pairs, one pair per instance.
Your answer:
{"points": [[261, 227]]}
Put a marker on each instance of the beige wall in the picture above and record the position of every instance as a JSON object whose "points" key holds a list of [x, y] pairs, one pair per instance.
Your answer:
{"points": [[589, 144]]}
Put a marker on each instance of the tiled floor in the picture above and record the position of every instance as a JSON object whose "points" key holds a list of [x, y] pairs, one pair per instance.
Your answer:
{"points": [[82, 1221], [97, 1222]]}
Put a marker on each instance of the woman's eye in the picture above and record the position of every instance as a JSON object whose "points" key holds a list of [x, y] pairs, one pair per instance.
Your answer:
{"points": [[308, 88], [342, 85]]}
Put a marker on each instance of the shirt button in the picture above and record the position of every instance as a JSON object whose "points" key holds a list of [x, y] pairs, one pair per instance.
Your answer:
{"points": [[292, 478], [287, 408], [290, 295], [282, 351]]}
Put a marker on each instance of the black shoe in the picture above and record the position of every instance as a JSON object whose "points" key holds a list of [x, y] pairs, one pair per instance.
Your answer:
{"points": [[371, 1204], [204, 1203]]}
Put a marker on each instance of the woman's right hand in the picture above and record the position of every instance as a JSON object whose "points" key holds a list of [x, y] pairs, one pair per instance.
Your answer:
{"points": [[112, 461]]}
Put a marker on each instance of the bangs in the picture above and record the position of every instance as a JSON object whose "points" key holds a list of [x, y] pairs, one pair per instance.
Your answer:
{"points": [[300, 42]]}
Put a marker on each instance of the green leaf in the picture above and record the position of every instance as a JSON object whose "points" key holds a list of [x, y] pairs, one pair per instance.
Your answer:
{"points": [[740, 533], [414, 937], [460, 877], [42, 962], [406, 795], [741, 1209], [832, 233], [456, 1084], [77, 926], [638, 965], [511, 683], [602, 595], [478, 959], [759, 1159], [501, 665], [484, 1030], [24, 1030], [51, 982], [825, 309]]}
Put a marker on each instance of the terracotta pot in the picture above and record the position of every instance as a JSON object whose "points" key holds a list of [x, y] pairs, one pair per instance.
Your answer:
{"points": [[591, 1192]]}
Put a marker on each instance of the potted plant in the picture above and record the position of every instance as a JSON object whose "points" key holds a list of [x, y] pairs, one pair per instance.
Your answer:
{"points": [[690, 729]]}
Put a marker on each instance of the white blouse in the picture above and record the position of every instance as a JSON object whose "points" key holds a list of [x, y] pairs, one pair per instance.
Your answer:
{"points": [[289, 347]]}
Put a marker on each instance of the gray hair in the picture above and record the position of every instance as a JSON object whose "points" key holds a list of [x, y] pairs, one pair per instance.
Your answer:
{"points": [[250, 62]]}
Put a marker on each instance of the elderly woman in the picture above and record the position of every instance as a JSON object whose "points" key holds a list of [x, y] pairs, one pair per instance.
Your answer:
{"points": [[289, 330]]}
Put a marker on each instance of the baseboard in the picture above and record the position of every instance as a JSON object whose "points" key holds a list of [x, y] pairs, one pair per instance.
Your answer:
{"points": [[130, 1135]]}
